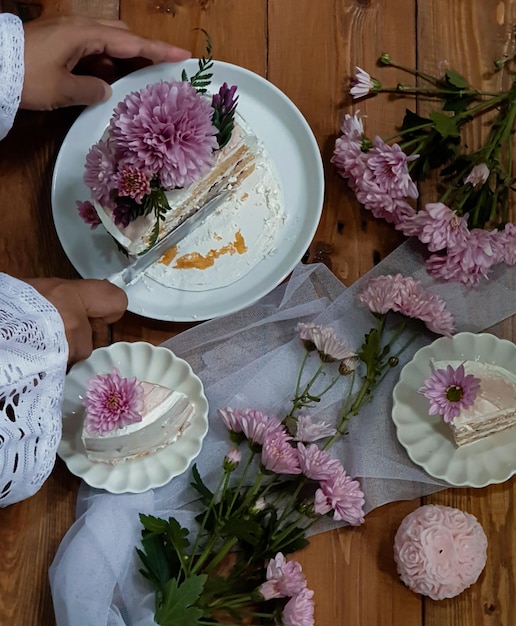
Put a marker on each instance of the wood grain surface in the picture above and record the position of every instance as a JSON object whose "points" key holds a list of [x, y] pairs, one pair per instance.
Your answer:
{"points": [[309, 50]]}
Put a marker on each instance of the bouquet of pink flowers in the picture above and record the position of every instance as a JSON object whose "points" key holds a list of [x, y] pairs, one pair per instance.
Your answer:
{"points": [[467, 230], [278, 478]]}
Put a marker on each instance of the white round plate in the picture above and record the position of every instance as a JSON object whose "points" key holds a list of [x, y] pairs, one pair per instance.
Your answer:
{"points": [[292, 148], [428, 439], [146, 362]]}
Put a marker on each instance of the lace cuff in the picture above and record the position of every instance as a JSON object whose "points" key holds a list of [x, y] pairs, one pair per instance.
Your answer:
{"points": [[33, 359], [11, 69]]}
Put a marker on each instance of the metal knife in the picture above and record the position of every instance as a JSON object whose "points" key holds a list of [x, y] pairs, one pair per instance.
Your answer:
{"points": [[130, 274]]}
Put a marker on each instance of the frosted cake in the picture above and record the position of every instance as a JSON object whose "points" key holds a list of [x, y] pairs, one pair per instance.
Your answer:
{"points": [[126, 419], [494, 409]]}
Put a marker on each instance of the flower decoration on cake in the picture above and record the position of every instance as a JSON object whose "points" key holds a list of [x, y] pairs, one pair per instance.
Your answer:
{"points": [[440, 551], [450, 390], [163, 137], [112, 401]]}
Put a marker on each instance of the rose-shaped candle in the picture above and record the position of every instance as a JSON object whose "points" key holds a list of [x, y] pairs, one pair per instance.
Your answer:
{"points": [[439, 551]]}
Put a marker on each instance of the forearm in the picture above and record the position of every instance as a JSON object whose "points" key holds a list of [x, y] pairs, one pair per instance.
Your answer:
{"points": [[11, 69]]}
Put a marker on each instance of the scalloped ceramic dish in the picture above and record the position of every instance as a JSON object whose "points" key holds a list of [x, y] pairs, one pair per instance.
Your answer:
{"points": [[428, 440], [147, 362]]}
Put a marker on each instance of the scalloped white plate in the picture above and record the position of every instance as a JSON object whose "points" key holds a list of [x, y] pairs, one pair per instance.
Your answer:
{"points": [[147, 362], [428, 440]]}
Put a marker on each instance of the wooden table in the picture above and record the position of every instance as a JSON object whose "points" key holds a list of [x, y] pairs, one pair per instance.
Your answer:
{"points": [[308, 49]]}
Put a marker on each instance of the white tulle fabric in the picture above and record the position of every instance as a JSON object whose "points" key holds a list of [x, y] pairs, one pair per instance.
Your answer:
{"points": [[251, 359], [11, 69], [33, 357]]}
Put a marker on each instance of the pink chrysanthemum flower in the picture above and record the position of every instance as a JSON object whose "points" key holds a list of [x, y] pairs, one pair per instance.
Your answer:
{"points": [[133, 182], [256, 425], [284, 579], [437, 226], [112, 401], [308, 431], [299, 610], [481, 252], [100, 172], [88, 213], [232, 418], [449, 391], [349, 159], [166, 129], [507, 243], [381, 204], [406, 296], [343, 496], [317, 464], [232, 460], [362, 84], [278, 455], [326, 342], [387, 171]]}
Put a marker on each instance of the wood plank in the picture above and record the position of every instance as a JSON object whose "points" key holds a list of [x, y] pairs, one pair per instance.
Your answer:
{"points": [[468, 37]]}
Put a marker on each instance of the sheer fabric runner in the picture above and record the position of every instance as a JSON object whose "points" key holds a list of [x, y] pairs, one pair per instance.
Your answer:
{"points": [[251, 359]]}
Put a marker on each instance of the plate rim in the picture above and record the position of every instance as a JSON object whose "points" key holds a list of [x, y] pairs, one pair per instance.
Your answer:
{"points": [[67, 449], [473, 339], [266, 278]]}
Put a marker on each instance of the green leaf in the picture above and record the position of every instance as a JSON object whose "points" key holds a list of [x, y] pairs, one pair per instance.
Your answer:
{"points": [[177, 535], [154, 559], [445, 125], [454, 79], [178, 605], [413, 120], [243, 529], [199, 485], [153, 524]]}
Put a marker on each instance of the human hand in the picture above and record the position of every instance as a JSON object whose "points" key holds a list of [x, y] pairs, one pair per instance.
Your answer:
{"points": [[54, 46], [78, 302]]}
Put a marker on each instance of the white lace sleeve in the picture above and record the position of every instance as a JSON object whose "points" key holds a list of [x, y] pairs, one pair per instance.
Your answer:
{"points": [[33, 359], [11, 69]]}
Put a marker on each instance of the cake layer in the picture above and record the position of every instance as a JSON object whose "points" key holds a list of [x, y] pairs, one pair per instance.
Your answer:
{"points": [[233, 164], [165, 416], [494, 409]]}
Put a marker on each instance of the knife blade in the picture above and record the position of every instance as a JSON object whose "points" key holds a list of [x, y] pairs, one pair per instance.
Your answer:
{"points": [[130, 274]]}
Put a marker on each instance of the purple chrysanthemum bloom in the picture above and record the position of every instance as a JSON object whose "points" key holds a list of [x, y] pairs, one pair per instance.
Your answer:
{"points": [[449, 391], [278, 455], [481, 252], [362, 84], [387, 171], [166, 129], [232, 419], [308, 431], [256, 425], [284, 579], [437, 226], [225, 101], [88, 213], [133, 182], [343, 496], [349, 159], [317, 464], [299, 610], [100, 172], [112, 401], [232, 460], [123, 213], [507, 242]]}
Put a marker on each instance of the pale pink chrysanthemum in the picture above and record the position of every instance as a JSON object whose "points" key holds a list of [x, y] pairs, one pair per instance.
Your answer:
{"points": [[387, 170], [232, 418], [448, 267], [133, 182], [507, 243], [352, 126], [256, 425], [88, 213], [362, 84], [112, 401], [437, 226], [278, 455], [381, 204], [317, 464], [481, 252], [100, 169], [449, 391], [307, 430], [403, 294], [329, 346], [232, 459], [299, 610], [166, 128], [343, 496], [349, 160], [284, 579], [478, 175]]}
